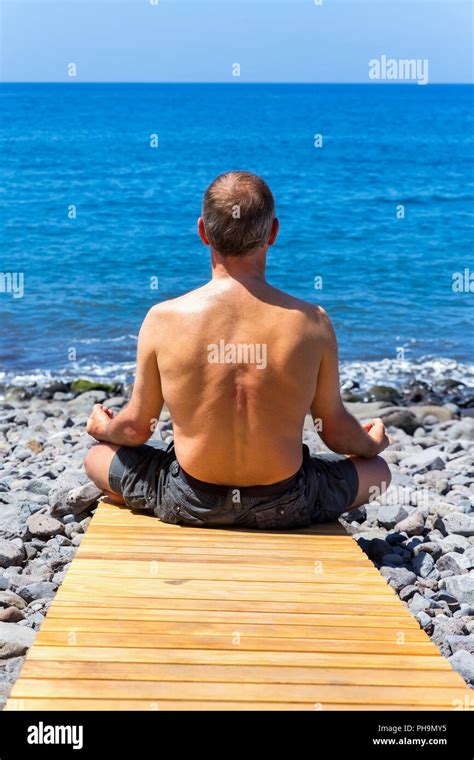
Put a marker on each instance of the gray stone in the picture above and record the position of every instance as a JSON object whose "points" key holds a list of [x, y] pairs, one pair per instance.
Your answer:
{"points": [[440, 484], [31, 551], [449, 599], [12, 572], [460, 586], [11, 518], [418, 603], [400, 418], [71, 529], [424, 620], [462, 429], [391, 514], [43, 526], [38, 544], [454, 543], [427, 583], [461, 642], [67, 483], [62, 541], [407, 592], [87, 399], [429, 414], [430, 547], [22, 453], [59, 576], [391, 457], [41, 590], [366, 411], [443, 627], [460, 480], [10, 553], [455, 562], [463, 663], [459, 523], [11, 615], [398, 577], [10, 599], [116, 401], [14, 640], [83, 497], [413, 525], [35, 420], [422, 461], [13, 666], [423, 564], [452, 447], [19, 580], [461, 463], [38, 486]]}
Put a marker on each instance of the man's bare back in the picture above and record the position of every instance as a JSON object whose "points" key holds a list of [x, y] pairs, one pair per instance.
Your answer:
{"points": [[239, 422]]}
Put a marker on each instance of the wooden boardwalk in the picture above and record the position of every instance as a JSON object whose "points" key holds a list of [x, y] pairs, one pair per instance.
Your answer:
{"points": [[154, 617]]}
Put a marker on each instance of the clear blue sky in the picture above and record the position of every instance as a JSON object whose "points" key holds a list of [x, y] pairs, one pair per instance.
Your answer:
{"points": [[199, 40]]}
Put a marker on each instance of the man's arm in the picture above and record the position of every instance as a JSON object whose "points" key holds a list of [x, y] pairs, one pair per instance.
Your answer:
{"points": [[134, 424], [340, 431]]}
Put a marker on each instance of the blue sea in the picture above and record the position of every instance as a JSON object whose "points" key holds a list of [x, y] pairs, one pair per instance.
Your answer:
{"points": [[387, 282]]}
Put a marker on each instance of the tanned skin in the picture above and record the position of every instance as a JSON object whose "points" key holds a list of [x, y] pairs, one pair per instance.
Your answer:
{"points": [[237, 424]]}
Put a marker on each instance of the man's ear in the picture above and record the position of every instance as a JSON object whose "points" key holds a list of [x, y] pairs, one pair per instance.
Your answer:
{"points": [[274, 232], [202, 231]]}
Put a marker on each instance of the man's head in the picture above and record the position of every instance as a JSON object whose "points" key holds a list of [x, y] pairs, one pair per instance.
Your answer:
{"points": [[238, 214]]}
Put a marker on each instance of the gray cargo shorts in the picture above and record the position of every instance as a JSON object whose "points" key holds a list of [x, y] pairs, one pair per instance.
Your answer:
{"points": [[150, 479]]}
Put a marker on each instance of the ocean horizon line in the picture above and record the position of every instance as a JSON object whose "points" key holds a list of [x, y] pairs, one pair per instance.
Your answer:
{"points": [[381, 83]]}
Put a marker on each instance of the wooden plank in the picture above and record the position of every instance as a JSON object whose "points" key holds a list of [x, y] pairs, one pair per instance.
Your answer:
{"points": [[212, 589], [311, 572], [230, 641], [325, 606], [200, 628], [164, 617], [180, 705], [235, 673], [398, 661], [121, 614], [314, 693], [143, 554], [151, 570], [234, 595]]}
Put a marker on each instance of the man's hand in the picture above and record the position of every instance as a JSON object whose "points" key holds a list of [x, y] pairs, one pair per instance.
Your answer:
{"points": [[376, 431], [98, 422]]}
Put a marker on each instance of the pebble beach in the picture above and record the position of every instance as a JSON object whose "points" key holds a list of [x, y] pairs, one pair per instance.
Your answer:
{"points": [[420, 534]]}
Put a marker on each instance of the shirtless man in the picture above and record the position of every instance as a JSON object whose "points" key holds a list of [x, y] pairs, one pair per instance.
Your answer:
{"points": [[238, 363]]}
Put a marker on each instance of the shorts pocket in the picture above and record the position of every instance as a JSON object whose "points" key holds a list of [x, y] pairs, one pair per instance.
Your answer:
{"points": [[168, 510], [288, 512]]}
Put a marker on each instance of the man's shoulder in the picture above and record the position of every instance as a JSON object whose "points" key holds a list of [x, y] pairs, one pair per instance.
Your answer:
{"points": [[181, 303], [312, 311]]}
